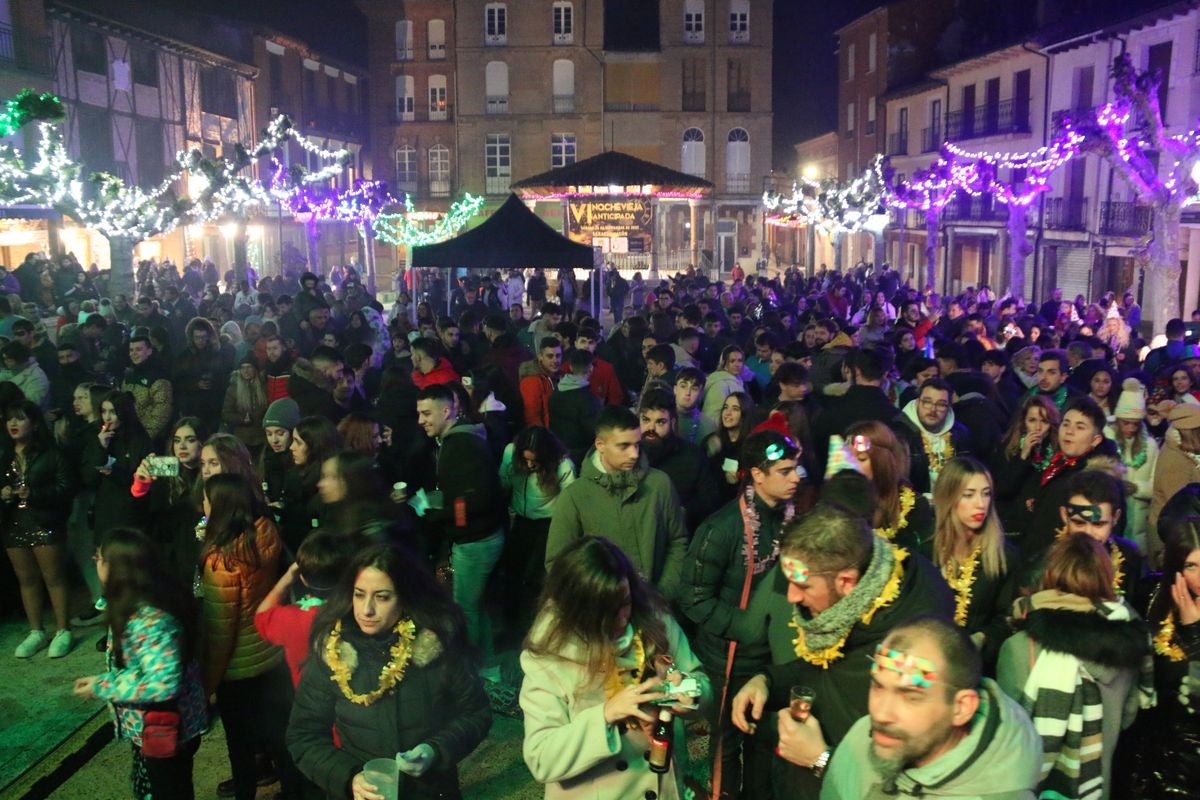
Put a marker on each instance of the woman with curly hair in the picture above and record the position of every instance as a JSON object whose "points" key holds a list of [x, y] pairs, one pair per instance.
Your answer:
{"points": [[1026, 449]]}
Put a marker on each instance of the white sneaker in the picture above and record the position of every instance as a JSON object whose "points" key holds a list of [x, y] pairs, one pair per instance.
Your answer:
{"points": [[60, 645], [35, 641]]}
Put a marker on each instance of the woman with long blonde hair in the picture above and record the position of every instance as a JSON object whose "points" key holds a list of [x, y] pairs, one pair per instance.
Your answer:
{"points": [[974, 557], [903, 515]]}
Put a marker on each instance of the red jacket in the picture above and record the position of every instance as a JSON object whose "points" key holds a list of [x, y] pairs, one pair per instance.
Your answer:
{"points": [[605, 384], [536, 388], [442, 373], [277, 387]]}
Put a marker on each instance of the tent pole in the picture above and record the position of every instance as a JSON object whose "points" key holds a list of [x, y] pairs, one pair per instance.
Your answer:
{"points": [[449, 287]]}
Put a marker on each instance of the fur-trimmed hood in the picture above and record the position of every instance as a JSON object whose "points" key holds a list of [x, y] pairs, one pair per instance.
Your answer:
{"points": [[1090, 636], [305, 370], [427, 648]]}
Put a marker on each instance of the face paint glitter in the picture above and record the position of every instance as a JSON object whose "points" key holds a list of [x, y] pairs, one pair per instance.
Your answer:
{"points": [[794, 569], [913, 670]]}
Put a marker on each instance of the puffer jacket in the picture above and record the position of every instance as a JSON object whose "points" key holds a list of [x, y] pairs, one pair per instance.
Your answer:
{"points": [[232, 588], [152, 397]]}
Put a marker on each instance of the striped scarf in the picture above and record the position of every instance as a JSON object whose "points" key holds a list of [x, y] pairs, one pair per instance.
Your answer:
{"points": [[1064, 702]]}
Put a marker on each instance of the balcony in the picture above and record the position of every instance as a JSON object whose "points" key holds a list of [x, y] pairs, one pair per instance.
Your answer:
{"points": [[1080, 114], [497, 104], [336, 122], [564, 103], [423, 114], [1125, 219], [988, 120], [1066, 213], [897, 144], [437, 51], [737, 183], [406, 184], [610, 105], [931, 139], [738, 101], [497, 184], [975, 209], [404, 53], [439, 187], [26, 53]]}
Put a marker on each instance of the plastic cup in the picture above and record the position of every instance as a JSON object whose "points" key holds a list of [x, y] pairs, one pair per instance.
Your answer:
{"points": [[384, 775]]}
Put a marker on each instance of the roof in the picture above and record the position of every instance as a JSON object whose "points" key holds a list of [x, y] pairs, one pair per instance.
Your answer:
{"points": [[513, 237], [1075, 32], [612, 168]]}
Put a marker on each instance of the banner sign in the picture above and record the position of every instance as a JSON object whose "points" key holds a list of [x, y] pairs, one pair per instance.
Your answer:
{"points": [[627, 218]]}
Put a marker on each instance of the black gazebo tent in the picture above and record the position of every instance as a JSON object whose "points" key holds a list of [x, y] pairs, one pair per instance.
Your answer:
{"points": [[513, 237]]}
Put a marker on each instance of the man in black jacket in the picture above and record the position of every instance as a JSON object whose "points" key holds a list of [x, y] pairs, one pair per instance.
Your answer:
{"points": [[573, 408], [686, 464], [864, 400], [714, 578], [466, 509], [834, 595], [311, 383]]}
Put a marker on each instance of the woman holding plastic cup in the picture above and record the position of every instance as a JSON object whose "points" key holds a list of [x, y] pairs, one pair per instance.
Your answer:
{"points": [[390, 670]]}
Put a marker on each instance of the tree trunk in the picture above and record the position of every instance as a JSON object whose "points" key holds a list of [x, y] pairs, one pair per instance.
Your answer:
{"points": [[931, 248], [120, 260], [1018, 248], [310, 236], [1162, 271], [241, 259], [367, 231]]}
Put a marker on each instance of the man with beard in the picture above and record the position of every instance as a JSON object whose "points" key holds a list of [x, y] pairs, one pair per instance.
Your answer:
{"points": [[278, 368], [934, 727], [927, 424], [1052, 372], [836, 592], [719, 575], [684, 462]]}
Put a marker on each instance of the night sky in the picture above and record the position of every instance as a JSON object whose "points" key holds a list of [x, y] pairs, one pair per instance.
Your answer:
{"points": [[805, 90]]}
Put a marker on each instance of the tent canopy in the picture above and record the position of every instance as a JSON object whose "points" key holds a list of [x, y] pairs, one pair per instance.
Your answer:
{"points": [[601, 173], [513, 237]]}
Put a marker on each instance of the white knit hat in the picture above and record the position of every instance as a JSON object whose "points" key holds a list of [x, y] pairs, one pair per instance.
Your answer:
{"points": [[1132, 402]]}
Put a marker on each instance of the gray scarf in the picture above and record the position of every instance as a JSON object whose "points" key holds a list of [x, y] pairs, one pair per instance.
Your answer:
{"points": [[827, 628]]}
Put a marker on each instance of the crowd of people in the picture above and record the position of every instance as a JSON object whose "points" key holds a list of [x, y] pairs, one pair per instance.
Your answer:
{"points": [[870, 541]]}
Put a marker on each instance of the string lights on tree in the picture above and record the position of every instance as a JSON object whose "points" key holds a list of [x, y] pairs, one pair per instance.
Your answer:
{"points": [[410, 228]]}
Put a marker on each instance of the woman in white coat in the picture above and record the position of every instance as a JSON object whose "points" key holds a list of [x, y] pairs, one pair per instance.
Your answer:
{"points": [[599, 653], [1139, 454]]}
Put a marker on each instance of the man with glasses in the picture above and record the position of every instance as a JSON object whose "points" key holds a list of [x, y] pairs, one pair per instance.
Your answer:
{"points": [[934, 725], [933, 436]]}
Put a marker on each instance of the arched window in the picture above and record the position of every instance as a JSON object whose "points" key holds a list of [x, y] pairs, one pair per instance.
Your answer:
{"points": [[439, 170], [564, 86], [693, 152], [496, 87], [406, 168], [437, 97], [737, 161]]}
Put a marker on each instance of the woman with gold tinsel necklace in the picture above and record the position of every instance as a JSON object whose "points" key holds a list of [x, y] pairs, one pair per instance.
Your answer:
{"points": [[903, 516], [970, 549], [598, 656], [389, 668], [1168, 757]]}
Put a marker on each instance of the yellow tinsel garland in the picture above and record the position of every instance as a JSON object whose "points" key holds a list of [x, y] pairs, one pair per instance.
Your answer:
{"points": [[616, 679], [962, 586], [891, 590], [1164, 643], [392, 672], [936, 462], [908, 499]]}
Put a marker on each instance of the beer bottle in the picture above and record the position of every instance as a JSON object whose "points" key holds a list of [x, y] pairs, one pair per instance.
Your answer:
{"points": [[662, 742]]}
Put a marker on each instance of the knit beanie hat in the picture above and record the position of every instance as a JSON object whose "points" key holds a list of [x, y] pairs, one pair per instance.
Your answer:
{"points": [[840, 458], [1132, 402], [283, 413]]}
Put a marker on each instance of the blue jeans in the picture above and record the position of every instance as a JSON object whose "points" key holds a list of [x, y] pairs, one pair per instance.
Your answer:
{"points": [[473, 564]]}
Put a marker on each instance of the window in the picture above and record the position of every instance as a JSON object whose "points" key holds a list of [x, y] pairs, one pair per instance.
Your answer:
{"points": [[739, 21], [564, 22], [693, 21], [1158, 59], [89, 50], [495, 23], [151, 154], [850, 118], [693, 158], [562, 150], [310, 82], [437, 97], [871, 115], [406, 168], [351, 96], [404, 40], [218, 92], [496, 87], [850, 61], [276, 69], [695, 90], [145, 66], [436, 32], [737, 85], [872, 42], [439, 170], [737, 161], [406, 98], [96, 148], [564, 86], [497, 163]]}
